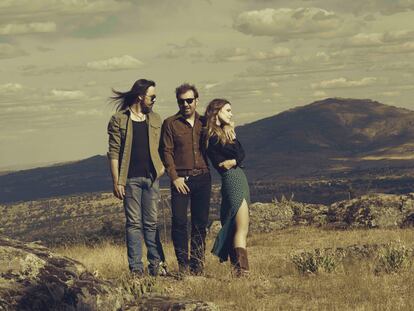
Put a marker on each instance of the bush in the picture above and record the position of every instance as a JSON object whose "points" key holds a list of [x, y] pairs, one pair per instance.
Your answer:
{"points": [[394, 257], [315, 261], [134, 288]]}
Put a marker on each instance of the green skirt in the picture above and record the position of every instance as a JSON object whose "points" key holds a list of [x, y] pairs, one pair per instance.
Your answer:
{"points": [[234, 189]]}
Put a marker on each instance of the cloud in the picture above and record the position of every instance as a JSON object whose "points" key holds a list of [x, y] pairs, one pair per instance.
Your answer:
{"points": [[320, 94], [91, 18], [390, 93], [61, 7], [210, 85], [286, 23], [44, 49], [62, 95], [406, 87], [182, 50], [10, 51], [407, 47], [242, 54], [190, 43], [18, 29], [344, 83], [379, 39], [124, 62], [10, 88], [90, 112], [385, 7]]}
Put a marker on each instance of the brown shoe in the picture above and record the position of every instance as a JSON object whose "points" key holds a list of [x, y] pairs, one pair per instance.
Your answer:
{"points": [[242, 262], [234, 262]]}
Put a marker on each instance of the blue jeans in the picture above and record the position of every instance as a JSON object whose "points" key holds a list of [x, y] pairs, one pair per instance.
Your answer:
{"points": [[140, 204]]}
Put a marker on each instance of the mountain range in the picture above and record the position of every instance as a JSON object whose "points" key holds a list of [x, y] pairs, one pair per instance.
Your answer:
{"points": [[326, 138]]}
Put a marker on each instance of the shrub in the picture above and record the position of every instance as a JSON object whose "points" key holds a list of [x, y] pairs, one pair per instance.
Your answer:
{"points": [[134, 288], [394, 257], [315, 261]]}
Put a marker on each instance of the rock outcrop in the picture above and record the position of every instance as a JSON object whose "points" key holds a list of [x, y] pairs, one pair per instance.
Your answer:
{"points": [[374, 211], [368, 211], [34, 278]]}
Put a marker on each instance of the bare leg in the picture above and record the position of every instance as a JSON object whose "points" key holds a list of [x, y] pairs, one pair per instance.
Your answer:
{"points": [[242, 226]]}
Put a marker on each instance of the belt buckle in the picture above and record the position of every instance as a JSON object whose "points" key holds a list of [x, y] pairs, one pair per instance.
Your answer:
{"points": [[197, 172]]}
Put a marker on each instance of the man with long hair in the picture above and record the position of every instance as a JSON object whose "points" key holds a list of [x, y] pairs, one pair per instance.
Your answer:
{"points": [[186, 165], [135, 164]]}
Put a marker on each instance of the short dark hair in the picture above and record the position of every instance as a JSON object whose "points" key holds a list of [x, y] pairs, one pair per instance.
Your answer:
{"points": [[185, 87], [124, 100]]}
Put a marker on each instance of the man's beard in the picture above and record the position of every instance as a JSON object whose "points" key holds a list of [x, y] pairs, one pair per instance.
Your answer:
{"points": [[146, 109]]}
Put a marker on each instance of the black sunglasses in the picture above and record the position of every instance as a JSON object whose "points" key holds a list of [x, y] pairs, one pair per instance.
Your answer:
{"points": [[153, 97], [187, 100]]}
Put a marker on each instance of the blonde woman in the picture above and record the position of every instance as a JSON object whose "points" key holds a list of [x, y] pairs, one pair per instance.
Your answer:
{"points": [[226, 155]]}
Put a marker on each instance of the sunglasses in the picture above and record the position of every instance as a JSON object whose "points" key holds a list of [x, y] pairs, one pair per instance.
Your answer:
{"points": [[153, 97], [189, 101]]}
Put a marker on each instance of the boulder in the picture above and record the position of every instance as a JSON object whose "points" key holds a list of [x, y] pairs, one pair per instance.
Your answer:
{"points": [[374, 211], [34, 278], [266, 217]]}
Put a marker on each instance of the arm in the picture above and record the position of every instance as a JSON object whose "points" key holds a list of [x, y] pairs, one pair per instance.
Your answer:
{"points": [[113, 156], [240, 154], [214, 152], [167, 150], [118, 190], [167, 156]]}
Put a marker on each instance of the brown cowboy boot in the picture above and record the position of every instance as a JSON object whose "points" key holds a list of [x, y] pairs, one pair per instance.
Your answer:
{"points": [[243, 262], [234, 262]]}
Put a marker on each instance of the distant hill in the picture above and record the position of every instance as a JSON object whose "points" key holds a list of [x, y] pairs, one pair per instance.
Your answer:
{"points": [[87, 175], [330, 137]]}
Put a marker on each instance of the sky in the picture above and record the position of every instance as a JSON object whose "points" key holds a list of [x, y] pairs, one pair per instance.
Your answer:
{"points": [[59, 60]]}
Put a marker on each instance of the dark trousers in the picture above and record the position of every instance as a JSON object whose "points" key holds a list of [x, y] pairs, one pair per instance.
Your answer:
{"points": [[199, 198]]}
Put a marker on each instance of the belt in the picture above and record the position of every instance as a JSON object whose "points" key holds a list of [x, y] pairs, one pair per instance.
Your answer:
{"points": [[193, 172]]}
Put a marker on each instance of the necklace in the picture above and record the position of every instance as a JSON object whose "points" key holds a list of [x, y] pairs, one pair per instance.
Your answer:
{"points": [[140, 116]]}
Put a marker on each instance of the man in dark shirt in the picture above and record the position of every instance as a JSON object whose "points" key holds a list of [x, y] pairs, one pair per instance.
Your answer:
{"points": [[185, 161]]}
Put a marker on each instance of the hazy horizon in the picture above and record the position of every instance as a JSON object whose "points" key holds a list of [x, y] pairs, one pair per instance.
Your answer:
{"points": [[61, 58]]}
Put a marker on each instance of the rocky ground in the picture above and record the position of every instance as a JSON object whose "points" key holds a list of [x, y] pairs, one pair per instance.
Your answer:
{"points": [[368, 211], [34, 278]]}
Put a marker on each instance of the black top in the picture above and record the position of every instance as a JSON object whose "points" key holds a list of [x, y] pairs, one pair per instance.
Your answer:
{"points": [[218, 153], [140, 162]]}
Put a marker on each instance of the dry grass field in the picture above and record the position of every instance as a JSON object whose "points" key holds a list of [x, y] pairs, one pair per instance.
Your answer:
{"points": [[275, 282]]}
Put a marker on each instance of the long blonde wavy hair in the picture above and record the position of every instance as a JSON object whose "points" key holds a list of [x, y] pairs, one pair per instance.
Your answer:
{"points": [[211, 116]]}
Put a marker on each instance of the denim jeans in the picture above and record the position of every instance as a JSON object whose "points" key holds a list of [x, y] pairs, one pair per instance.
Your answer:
{"points": [[140, 204], [200, 192]]}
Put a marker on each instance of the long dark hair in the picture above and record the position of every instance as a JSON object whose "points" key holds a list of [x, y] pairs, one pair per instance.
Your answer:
{"points": [[124, 100], [211, 113]]}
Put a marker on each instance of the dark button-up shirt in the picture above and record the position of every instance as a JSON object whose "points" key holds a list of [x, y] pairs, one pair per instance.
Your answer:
{"points": [[182, 146]]}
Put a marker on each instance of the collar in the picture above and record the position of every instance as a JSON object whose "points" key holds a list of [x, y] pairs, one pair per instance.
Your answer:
{"points": [[178, 115]]}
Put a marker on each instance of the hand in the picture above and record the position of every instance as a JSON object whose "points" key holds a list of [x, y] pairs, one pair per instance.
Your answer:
{"points": [[162, 172], [181, 186], [119, 191], [229, 131], [228, 164]]}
